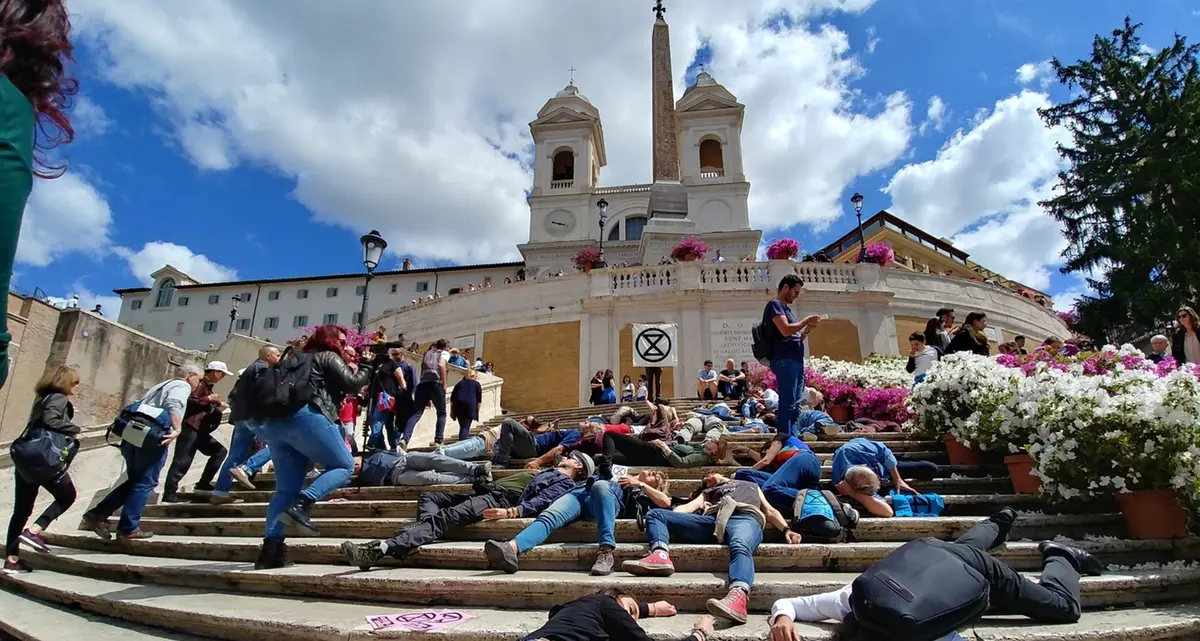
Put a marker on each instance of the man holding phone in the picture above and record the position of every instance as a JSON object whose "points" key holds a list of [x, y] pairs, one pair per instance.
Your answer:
{"points": [[787, 354]]}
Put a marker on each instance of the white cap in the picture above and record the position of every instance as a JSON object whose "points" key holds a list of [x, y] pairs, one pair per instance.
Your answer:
{"points": [[218, 366]]}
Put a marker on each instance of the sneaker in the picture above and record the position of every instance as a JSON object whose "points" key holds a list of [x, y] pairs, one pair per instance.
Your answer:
{"points": [[16, 567], [500, 556], [808, 437], [223, 499], [657, 563], [403, 445], [202, 487], [170, 498], [34, 541], [242, 477], [484, 471], [98, 527], [604, 563], [732, 607], [1083, 561], [831, 429], [136, 535], [365, 556]]}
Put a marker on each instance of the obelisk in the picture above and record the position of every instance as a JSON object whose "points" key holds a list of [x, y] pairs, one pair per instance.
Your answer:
{"points": [[668, 198]]}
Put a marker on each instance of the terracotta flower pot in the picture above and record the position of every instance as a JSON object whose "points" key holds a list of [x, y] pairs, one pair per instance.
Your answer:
{"points": [[960, 454], [690, 257], [840, 414], [1020, 469], [1154, 514]]}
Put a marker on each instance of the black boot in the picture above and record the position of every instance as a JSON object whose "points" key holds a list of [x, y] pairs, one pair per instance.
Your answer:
{"points": [[273, 554], [1005, 518], [297, 513], [1082, 560]]}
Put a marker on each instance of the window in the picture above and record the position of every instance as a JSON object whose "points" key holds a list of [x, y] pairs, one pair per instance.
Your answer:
{"points": [[356, 319], [137, 304], [634, 226], [243, 324], [210, 326], [712, 163], [182, 301], [394, 287], [165, 291], [273, 294], [453, 291], [178, 328], [423, 286], [271, 322], [246, 297], [330, 292], [615, 233], [360, 290], [301, 293], [563, 167], [299, 321], [213, 299], [330, 319]]}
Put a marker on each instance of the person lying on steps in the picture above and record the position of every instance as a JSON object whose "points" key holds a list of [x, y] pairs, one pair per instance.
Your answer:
{"points": [[521, 441], [609, 614], [401, 468], [862, 466], [722, 511], [777, 451], [523, 494], [1053, 599], [782, 488], [591, 442], [599, 500], [623, 449]]}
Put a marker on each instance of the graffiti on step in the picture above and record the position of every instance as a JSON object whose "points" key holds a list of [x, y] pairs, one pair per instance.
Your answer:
{"points": [[423, 621]]}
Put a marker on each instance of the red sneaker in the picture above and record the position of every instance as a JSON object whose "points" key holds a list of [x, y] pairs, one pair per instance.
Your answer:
{"points": [[732, 607], [657, 563]]}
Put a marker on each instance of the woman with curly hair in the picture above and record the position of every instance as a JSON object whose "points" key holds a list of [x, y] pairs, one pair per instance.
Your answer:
{"points": [[34, 91]]}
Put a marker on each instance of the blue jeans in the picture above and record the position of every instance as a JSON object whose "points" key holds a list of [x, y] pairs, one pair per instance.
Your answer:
{"points": [[749, 408], [295, 441], [810, 421], [380, 421], [239, 454], [598, 504], [428, 392], [467, 450], [142, 467], [789, 378], [800, 472], [742, 535], [919, 378], [719, 410]]}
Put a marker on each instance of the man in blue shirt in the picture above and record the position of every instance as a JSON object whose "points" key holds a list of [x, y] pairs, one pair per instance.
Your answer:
{"points": [[787, 351], [862, 466], [516, 440]]}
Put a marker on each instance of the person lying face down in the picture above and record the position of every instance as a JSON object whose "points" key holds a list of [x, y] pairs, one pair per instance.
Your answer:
{"points": [[610, 614]]}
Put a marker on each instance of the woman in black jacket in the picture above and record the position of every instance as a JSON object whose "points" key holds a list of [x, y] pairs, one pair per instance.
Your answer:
{"points": [[465, 399], [971, 337], [609, 615], [1185, 343], [51, 411]]}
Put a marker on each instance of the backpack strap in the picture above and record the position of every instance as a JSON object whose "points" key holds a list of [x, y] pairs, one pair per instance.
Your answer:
{"points": [[798, 505], [837, 509]]}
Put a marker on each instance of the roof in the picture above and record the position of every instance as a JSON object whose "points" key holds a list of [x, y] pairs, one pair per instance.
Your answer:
{"points": [[886, 216], [269, 281]]}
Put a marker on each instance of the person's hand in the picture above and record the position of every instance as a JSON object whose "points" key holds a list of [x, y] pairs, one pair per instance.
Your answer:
{"points": [[213, 398], [663, 447], [662, 609], [811, 320], [628, 481], [532, 465], [793, 538], [495, 514], [783, 630], [903, 486], [912, 352], [171, 436], [705, 624], [224, 405]]}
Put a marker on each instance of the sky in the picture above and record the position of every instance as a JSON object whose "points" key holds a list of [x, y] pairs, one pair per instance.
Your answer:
{"points": [[260, 139]]}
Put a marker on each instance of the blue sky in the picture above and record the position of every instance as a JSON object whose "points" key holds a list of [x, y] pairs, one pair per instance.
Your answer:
{"points": [[185, 155]]}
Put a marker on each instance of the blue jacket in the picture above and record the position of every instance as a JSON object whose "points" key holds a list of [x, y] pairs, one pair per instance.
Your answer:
{"points": [[549, 440], [543, 489], [865, 452]]}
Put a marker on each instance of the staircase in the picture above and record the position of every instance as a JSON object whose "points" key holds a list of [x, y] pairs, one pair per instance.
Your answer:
{"points": [[194, 579]]}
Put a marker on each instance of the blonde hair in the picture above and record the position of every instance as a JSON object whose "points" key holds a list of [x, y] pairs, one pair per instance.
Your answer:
{"points": [[470, 374], [862, 479], [59, 380]]}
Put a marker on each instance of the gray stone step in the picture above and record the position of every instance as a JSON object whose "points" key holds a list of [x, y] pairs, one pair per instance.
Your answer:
{"points": [[826, 446], [27, 619], [259, 618], [576, 557], [535, 589], [869, 529]]}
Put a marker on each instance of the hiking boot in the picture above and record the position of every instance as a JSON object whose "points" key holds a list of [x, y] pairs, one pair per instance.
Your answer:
{"points": [[16, 567], [99, 527], [272, 555], [732, 607], [170, 498], [484, 471], [1082, 560], [34, 541], [241, 476], [364, 556], [297, 514], [136, 535], [223, 499], [604, 563], [657, 563], [501, 556]]}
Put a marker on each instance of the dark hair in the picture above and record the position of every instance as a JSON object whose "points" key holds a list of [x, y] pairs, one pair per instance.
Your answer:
{"points": [[325, 339], [931, 330], [943, 311], [1018, 337], [708, 362], [916, 336], [35, 43], [442, 343], [974, 316], [612, 592], [790, 280]]}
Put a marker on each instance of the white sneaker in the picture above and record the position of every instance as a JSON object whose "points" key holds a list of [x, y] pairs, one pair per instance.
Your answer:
{"points": [[831, 429], [808, 437]]}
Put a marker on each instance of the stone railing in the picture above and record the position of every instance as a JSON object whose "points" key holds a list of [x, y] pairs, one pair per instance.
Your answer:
{"points": [[709, 172], [687, 276], [562, 184]]}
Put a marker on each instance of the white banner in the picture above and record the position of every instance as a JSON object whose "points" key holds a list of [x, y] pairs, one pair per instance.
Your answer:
{"points": [[655, 345]]}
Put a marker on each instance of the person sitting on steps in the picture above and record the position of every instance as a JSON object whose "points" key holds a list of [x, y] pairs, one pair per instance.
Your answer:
{"points": [[523, 494], [1053, 599], [609, 614], [860, 466]]}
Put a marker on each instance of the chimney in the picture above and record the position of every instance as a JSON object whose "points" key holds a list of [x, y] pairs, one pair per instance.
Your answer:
{"points": [[407, 265]]}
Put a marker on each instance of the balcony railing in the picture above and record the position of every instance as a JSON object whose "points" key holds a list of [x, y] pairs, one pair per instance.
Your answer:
{"points": [[712, 172], [722, 277], [562, 184]]}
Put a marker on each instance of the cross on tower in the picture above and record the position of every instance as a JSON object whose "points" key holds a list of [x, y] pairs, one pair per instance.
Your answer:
{"points": [[659, 9], [572, 71]]}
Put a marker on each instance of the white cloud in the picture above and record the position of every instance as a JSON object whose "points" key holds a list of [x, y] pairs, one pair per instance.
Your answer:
{"points": [[89, 118], [983, 187], [935, 116], [1040, 73], [63, 215], [872, 40], [1066, 299], [110, 305], [153, 255], [411, 125]]}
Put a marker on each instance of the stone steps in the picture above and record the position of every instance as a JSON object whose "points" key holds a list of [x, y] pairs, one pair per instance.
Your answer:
{"points": [[249, 617], [824, 446], [578, 557], [27, 619]]}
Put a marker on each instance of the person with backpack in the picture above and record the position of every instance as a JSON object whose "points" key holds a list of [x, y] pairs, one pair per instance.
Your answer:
{"points": [[523, 494], [238, 464], [298, 400], [389, 400], [927, 589], [431, 389], [53, 415], [786, 350], [795, 489], [144, 462]]}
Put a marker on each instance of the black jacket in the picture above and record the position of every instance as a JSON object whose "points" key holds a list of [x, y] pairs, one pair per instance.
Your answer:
{"points": [[595, 617], [332, 380], [1177, 346], [55, 413], [963, 342], [237, 404]]}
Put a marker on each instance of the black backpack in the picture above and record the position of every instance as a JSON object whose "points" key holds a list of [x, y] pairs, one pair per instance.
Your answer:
{"points": [[762, 337], [846, 516], [920, 592], [280, 390]]}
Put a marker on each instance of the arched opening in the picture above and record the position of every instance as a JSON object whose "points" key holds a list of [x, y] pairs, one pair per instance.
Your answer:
{"points": [[634, 226], [166, 291], [615, 233], [564, 166], [712, 160]]}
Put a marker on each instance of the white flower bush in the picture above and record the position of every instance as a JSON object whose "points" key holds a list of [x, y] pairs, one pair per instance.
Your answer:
{"points": [[875, 371], [971, 398]]}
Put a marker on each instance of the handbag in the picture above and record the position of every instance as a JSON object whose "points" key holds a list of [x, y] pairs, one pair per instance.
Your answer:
{"points": [[41, 455], [386, 402], [141, 424]]}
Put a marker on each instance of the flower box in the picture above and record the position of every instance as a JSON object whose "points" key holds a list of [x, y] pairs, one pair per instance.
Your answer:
{"points": [[1020, 470], [689, 249], [783, 249], [1154, 514], [960, 454]]}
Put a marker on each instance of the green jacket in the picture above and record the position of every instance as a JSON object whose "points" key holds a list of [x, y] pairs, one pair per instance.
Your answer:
{"points": [[688, 456], [16, 181]]}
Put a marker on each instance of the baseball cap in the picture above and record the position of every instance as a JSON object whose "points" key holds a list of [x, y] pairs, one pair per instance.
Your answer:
{"points": [[589, 466], [218, 366]]}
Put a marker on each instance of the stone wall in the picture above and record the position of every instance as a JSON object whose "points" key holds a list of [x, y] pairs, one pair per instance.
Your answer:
{"points": [[837, 339], [906, 325], [32, 324]]}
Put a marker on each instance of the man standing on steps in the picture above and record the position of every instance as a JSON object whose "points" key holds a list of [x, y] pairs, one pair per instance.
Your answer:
{"points": [[245, 429], [200, 420], [523, 494], [787, 350]]}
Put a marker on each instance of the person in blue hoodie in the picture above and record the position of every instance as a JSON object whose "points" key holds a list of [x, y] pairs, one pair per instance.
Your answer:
{"points": [[862, 466], [517, 441]]}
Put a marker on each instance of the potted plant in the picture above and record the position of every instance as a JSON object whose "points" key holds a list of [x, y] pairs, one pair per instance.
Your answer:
{"points": [[840, 399], [959, 401], [879, 253], [689, 249], [783, 249], [1070, 318], [586, 259]]}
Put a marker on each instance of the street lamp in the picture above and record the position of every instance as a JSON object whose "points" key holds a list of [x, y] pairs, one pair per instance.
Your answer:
{"points": [[603, 205], [857, 199], [373, 245], [233, 313]]}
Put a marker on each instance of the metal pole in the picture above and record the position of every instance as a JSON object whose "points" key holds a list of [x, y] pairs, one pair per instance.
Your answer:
{"points": [[362, 315], [862, 239], [601, 242]]}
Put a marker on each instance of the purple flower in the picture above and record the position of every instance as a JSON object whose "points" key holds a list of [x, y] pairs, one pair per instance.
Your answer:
{"points": [[879, 253], [783, 249], [689, 245]]}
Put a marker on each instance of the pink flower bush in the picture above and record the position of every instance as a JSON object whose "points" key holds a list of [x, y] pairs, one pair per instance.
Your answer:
{"points": [[879, 253], [761, 376], [586, 258], [689, 245], [1107, 360], [1070, 317], [354, 339], [783, 249], [886, 404]]}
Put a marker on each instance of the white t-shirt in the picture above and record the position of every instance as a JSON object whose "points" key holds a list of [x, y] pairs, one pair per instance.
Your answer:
{"points": [[829, 606], [770, 398]]}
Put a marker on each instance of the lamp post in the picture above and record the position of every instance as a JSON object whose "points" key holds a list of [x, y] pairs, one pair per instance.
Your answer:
{"points": [[233, 313], [603, 205], [857, 199], [373, 245]]}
